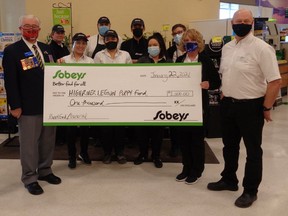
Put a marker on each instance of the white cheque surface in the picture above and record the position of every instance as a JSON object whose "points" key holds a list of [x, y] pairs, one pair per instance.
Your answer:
{"points": [[136, 94]]}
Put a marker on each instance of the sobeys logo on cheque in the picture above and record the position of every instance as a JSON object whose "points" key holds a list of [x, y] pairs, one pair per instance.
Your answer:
{"points": [[67, 75]]}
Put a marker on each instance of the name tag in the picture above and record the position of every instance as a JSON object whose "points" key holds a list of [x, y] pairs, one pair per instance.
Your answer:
{"points": [[27, 54]]}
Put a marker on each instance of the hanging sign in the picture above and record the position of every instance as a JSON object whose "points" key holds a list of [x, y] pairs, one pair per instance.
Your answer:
{"points": [[61, 16]]}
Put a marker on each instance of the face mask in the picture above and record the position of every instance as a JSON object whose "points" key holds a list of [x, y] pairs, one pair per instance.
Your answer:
{"points": [[111, 45], [191, 46], [30, 35], [177, 38], [241, 30], [153, 50], [102, 30], [137, 32]]}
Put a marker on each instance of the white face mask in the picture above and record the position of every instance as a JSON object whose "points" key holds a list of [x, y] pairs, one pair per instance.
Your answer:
{"points": [[177, 38], [153, 50]]}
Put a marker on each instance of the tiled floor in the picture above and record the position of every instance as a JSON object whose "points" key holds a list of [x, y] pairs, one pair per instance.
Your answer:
{"points": [[144, 190]]}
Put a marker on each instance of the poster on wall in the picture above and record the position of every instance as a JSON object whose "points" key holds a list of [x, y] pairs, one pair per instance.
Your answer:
{"points": [[6, 38], [61, 16], [279, 9]]}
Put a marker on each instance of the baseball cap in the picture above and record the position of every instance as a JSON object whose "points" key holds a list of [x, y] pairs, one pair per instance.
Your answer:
{"points": [[58, 28], [79, 36], [111, 33], [103, 19], [137, 21]]}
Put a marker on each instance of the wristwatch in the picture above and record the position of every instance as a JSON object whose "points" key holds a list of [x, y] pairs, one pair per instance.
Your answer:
{"points": [[266, 109]]}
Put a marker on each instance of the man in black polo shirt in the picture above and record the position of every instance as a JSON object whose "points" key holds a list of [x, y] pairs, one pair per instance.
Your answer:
{"points": [[58, 48], [136, 46]]}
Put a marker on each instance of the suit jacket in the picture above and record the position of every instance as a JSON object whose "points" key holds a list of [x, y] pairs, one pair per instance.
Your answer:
{"points": [[24, 88], [171, 50]]}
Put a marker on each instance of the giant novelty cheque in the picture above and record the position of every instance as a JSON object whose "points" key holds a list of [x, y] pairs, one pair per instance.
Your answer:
{"points": [[121, 94]]}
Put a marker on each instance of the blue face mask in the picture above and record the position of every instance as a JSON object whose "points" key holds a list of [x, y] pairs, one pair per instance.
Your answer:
{"points": [[191, 46], [102, 30], [153, 50], [177, 38]]}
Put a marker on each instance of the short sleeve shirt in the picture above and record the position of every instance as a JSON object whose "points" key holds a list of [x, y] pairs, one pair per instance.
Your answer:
{"points": [[247, 67]]}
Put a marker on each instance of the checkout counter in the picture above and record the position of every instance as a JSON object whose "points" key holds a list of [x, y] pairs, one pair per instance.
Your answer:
{"points": [[283, 68], [283, 62], [277, 36]]}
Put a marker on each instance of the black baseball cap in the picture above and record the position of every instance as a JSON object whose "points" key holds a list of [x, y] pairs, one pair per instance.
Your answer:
{"points": [[103, 19], [110, 33], [137, 21], [58, 28], [79, 36]]}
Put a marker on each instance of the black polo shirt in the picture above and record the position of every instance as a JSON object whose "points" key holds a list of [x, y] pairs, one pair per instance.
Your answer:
{"points": [[135, 48], [58, 50]]}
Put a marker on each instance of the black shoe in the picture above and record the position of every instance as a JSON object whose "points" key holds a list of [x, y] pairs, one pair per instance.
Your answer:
{"points": [[34, 188], [181, 177], [84, 158], [139, 160], [51, 178], [121, 159], [107, 159], [157, 163], [245, 200], [72, 163], [190, 180], [221, 185]]}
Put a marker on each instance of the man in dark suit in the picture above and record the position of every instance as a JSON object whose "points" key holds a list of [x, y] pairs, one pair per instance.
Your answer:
{"points": [[23, 64]]}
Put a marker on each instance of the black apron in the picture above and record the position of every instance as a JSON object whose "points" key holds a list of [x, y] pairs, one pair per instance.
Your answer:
{"points": [[98, 47]]}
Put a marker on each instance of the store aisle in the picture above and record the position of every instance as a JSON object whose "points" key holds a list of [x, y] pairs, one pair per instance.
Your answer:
{"points": [[144, 190]]}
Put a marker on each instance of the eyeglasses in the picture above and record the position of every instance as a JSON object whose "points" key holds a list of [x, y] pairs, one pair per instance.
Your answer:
{"points": [[30, 27]]}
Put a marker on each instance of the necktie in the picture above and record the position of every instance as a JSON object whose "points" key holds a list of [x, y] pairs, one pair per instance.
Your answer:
{"points": [[38, 56]]}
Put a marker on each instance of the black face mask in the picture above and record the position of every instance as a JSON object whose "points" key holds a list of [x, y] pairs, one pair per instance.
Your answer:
{"points": [[137, 32], [241, 30], [111, 45]]}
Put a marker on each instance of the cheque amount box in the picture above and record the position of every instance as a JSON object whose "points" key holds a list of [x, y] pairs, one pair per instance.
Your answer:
{"points": [[180, 93]]}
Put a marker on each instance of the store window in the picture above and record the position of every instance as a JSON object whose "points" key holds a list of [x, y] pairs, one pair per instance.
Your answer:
{"points": [[227, 10]]}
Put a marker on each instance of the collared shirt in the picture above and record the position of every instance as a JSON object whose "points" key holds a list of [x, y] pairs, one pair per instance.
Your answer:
{"points": [[188, 60], [32, 49], [93, 41], [135, 48], [121, 56], [59, 50], [246, 67], [177, 53], [84, 59]]}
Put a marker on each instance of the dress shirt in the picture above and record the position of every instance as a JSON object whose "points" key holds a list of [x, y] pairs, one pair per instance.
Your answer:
{"points": [[32, 49], [188, 60], [246, 67]]}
